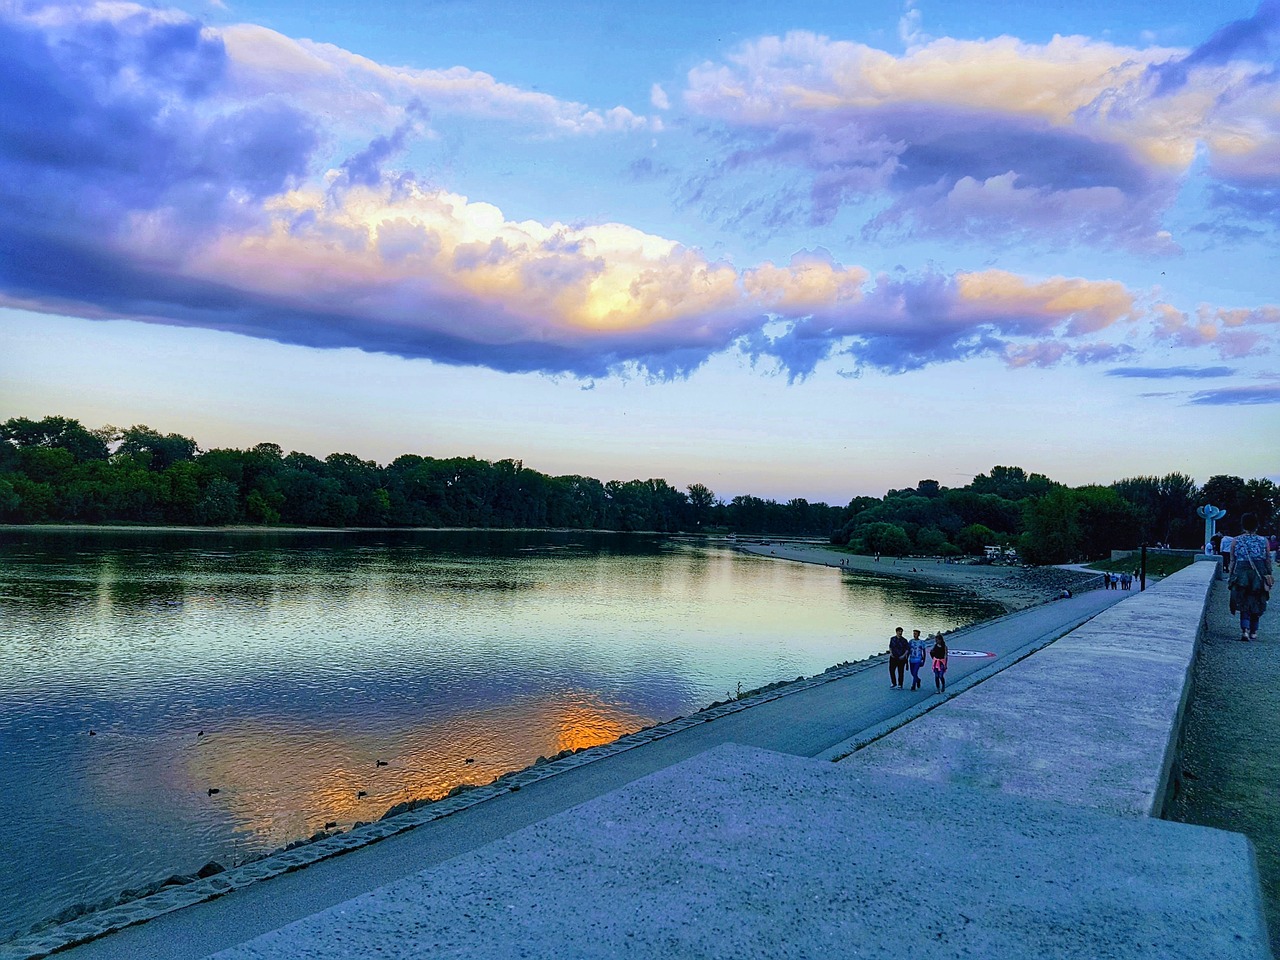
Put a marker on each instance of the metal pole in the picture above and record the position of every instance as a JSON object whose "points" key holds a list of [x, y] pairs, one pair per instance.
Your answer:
{"points": [[1142, 578]]}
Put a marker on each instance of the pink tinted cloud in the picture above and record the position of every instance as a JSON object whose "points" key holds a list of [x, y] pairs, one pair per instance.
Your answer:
{"points": [[997, 139], [1233, 333]]}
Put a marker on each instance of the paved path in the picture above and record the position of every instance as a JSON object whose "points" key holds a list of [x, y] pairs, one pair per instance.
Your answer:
{"points": [[1231, 751], [804, 724]]}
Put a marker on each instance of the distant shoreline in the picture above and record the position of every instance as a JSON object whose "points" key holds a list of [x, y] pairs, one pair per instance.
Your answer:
{"points": [[1014, 588], [254, 528]]}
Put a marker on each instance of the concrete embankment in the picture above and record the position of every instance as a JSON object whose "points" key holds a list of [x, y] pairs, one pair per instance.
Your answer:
{"points": [[1012, 820]]}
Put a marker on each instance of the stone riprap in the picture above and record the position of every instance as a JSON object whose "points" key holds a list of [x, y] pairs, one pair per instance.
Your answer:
{"points": [[741, 852], [1090, 720]]}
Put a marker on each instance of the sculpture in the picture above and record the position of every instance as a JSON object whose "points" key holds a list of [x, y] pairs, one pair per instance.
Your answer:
{"points": [[1211, 516]]}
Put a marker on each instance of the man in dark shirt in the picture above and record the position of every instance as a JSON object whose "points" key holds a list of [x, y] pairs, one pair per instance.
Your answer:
{"points": [[899, 647]]}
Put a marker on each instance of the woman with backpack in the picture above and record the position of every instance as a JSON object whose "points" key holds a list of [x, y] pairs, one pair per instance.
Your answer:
{"points": [[939, 655], [1251, 577]]}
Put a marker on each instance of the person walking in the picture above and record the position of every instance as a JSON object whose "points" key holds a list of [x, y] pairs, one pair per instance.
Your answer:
{"points": [[898, 650], [915, 658], [1251, 577], [939, 655]]}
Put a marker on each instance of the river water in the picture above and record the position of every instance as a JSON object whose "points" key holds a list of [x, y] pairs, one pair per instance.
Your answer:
{"points": [[312, 678]]}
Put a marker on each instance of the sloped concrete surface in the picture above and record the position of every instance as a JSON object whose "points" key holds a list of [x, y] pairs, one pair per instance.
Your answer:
{"points": [[1090, 720], [741, 852]]}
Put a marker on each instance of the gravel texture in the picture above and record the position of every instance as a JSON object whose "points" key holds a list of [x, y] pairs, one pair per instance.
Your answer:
{"points": [[1231, 746]]}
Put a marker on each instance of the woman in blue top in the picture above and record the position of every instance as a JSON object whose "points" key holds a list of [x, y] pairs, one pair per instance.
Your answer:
{"points": [[915, 659], [1251, 577]]}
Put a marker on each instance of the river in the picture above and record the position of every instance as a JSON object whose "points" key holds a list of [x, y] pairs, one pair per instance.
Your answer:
{"points": [[169, 697]]}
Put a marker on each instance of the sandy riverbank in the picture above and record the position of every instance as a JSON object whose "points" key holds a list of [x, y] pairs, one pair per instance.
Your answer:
{"points": [[1016, 588]]}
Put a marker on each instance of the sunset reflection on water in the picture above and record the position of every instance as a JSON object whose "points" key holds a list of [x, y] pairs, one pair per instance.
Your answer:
{"points": [[278, 783]]}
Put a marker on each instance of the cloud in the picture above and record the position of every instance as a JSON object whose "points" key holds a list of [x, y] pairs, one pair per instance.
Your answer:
{"points": [[240, 181], [1238, 396], [1251, 37], [1166, 373], [994, 139], [905, 323], [658, 97], [326, 78], [1233, 333], [909, 29]]}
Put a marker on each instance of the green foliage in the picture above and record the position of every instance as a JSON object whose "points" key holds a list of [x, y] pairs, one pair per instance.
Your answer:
{"points": [[54, 432], [931, 542], [154, 450], [1012, 483], [1238, 497], [55, 470], [974, 538], [1052, 532], [888, 539], [1165, 508]]}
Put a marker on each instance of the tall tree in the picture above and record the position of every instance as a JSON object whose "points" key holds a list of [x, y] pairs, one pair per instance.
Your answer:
{"points": [[54, 432]]}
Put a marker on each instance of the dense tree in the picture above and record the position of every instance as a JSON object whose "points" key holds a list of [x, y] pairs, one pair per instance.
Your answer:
{"points": [[54, 432], [56, 470], [1225, 492], [154, 450], [1012, 483], [1262, 499], [975, 538], [1052, 528], [887, 538], [1165, 508], [701, 500]]}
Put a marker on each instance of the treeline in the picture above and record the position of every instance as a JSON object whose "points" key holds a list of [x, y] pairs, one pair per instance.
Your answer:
{"points": [[1047, 522], [56, 470]]}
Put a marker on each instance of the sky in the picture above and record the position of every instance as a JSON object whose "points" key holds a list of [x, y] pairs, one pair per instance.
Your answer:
{"points": [[794, 250]]}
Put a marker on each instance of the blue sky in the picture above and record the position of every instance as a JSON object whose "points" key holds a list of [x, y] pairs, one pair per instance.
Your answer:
{"points": [[809, 250]]}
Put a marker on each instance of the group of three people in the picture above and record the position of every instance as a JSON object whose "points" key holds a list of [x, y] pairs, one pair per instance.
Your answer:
{"points": [[911, 653]]}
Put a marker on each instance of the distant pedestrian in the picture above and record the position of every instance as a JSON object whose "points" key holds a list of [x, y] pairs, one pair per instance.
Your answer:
{"points": [[1251, 577], [915, 658], [899, 648], [939, 655]]}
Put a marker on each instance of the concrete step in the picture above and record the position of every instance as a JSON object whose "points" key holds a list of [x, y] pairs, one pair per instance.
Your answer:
{"points": [[741, 852]]}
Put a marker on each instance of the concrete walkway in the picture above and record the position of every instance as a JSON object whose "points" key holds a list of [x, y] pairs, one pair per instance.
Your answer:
{"points": [[726, 839], [985, 849]]}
